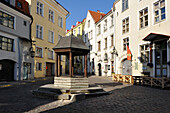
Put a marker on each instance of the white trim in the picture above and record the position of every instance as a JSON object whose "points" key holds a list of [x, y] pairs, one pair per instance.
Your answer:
{"points": [[54, 8], [139, 15], [122, 42], [42, 31], [122, 25], [153, 12], [10, 15], [53, 15], [42, 9], [38, 47]]}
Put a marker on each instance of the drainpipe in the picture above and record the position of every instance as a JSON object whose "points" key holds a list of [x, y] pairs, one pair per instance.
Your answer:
{"points": [[114, 19], [30, 29], [19, 60]]}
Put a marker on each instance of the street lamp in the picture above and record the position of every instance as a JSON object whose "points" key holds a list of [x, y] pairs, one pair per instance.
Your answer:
{"points": [[115, 51]]}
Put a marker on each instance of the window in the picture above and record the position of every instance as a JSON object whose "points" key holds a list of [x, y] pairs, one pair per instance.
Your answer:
{"points": [[99, 45], [28, 66], [39, 31], [111, 20], [38, 52], [159, 11], [25, 23], [125, 25], [112, 40], [39, 66], [51, 16], [78, 30], [60, 21], [39, 8], [19, 4], [51, 36], [144, 49], [74, 32], [105, 57], [105, 25], [88, 23], [99, 29], [91, 34], [124, 5], [105, 43], [125, 44], [143, 18], [50, 54], [6, 43], [6, 20]]}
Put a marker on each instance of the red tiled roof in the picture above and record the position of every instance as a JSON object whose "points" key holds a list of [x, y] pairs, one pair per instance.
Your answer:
{"points": [[96, 15]]}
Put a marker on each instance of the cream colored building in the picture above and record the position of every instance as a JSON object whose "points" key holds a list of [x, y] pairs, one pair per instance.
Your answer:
{"points": [[49, 24], [143, 25]]}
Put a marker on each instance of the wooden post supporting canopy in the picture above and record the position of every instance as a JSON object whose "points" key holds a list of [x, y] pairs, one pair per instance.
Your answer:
{"points": [[85, 66], [56, 70], [59, 65], [70, 66], [72, 69]]}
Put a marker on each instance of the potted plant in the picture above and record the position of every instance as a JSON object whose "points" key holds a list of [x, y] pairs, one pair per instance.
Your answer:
{"points": [[150, 65]]}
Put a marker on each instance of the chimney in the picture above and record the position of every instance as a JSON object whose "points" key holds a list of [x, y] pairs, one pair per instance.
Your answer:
{"points": [[98, 11]]}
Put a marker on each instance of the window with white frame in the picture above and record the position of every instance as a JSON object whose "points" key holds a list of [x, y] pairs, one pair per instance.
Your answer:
{"points": [[112, 40], [39, 66], [50, 54], [99, 46], [39, 31], [74, 32], [105, 43], [98, 29], [51, 16], [40, 8], [111, 20], [125, 25], [143, 18], [159, 11], [91, 33], [125, 44], [144, 50], [6, 43], [6, 20], [60, 21], [50, 36], [124, 5], [38, 52], [78, 30], [105, 25], [88, 23]]}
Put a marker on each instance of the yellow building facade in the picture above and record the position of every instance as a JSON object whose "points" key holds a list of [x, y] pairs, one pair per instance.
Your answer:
{"points": [[49, 24], [77, 30]]}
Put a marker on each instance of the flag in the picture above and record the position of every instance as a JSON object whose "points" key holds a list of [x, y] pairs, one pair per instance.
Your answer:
{"points": [[129, 54]]}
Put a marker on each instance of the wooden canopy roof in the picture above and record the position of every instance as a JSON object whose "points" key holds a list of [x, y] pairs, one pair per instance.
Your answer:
{"points": [[71, 44]]}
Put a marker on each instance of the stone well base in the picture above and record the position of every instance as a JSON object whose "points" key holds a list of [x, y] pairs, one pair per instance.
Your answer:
{"points": [[67, 82]]}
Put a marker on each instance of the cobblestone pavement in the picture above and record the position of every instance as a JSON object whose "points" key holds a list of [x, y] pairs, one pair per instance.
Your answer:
{"points": [[132, 99], [123, 99]]}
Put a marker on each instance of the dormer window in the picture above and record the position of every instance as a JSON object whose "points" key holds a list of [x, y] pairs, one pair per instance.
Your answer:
{"points": [[19, 4], [124, 5]]}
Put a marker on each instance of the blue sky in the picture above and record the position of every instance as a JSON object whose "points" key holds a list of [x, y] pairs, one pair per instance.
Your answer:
{"points": [[79, 8]]}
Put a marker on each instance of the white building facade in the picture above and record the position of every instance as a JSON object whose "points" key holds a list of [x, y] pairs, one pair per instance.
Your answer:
{"points": [[89, 38], [105, 45], [142, 26]]}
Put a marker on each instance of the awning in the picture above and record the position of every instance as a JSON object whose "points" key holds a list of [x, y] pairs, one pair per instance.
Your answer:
{"points": [[155, 36]]}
